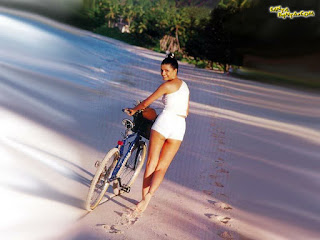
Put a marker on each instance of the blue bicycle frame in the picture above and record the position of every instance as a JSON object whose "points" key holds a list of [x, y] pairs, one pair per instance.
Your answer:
{"points": [[137, 137]]}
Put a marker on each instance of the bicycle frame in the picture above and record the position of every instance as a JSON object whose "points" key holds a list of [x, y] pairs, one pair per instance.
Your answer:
{"points": [[131, 151], [123, 157]]}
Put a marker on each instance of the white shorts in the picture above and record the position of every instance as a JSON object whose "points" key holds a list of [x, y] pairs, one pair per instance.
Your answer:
{"points": [[170, 125]]}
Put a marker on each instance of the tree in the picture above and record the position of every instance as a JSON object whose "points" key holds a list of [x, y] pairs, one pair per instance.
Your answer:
{"points": [[180, 20], [112, 9], [129, 11], [213, 40]]}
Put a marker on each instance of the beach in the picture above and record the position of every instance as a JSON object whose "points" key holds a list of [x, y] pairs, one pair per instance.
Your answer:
{"points": [[248, 167]]}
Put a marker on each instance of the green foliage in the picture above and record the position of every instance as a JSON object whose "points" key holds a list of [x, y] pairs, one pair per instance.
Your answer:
{"points": [[201, 64], [148, 21], [132, 39], [214, 36], [116, 34], [236, 3]]}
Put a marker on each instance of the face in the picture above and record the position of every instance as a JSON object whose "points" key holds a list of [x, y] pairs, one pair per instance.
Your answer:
{"points": [[167, 72]]}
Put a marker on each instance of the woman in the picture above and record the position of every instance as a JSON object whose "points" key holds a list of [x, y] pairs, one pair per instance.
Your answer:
{"points": [[168, 130]]}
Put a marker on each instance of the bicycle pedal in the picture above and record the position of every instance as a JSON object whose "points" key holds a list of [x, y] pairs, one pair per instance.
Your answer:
{"points": [[126, 189]]}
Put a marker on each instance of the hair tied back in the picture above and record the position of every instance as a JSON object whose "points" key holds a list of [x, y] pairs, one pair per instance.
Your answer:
{"points": [[170, 55], [170, 59]]}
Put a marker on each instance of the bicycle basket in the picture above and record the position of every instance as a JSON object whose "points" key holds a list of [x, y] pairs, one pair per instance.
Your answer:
{"points": [[142, 125]]}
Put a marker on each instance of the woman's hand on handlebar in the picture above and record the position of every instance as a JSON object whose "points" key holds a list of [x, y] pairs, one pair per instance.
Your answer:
{"points": [[129, 111]]}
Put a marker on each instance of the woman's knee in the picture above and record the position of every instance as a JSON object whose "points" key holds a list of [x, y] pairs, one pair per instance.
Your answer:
{"points": [[162, 166], [152, 161]]}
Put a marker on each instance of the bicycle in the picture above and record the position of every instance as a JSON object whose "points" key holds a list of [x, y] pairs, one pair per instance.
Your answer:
{"points": [[120, 167]]}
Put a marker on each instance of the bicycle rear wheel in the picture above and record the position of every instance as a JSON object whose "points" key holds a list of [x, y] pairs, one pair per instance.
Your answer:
{"points": [[99, 183], [132, 167]]}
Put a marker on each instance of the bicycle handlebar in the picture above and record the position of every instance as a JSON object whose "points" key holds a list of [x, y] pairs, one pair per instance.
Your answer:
{"points": [[125, 110]]}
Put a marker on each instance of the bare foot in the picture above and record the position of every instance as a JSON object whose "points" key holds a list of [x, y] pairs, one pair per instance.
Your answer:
{"points": [[143, 204]]}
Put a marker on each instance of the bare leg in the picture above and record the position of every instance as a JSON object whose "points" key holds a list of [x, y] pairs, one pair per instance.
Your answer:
{"points": [[155, 145], [169, 150]]}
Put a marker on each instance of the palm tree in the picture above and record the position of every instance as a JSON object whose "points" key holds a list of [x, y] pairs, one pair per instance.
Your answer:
{"points": [[142, 27], [130, 11], [179, 23], [112, 9], [137, 18]]}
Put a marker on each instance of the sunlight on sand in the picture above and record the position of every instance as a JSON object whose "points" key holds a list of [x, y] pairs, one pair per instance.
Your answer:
{"points": [[158, 57], [281, 230], [312, 175], [36, 104], [291, 129], [268, 103], [263, 88], [148, 70], [39, 155]]}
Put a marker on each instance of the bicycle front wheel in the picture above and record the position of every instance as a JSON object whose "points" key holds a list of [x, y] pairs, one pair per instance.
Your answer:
{"points": [[100, 181], [132, 167]]}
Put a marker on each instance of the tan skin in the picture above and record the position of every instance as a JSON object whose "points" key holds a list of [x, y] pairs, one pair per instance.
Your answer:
{"points": [[161, 151]]}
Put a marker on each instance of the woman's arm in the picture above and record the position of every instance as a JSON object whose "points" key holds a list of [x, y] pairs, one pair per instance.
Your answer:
{"points": [[162, 89], [188, 106]]}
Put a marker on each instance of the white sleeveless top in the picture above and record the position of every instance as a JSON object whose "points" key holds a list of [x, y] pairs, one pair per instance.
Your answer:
{"points": [[177, 102]]}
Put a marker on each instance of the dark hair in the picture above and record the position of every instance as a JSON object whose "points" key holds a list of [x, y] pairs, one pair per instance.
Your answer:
{"points": [[171, 60]]}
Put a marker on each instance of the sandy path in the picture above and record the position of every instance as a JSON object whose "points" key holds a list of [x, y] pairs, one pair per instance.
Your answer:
{"points": [[248, 167]]}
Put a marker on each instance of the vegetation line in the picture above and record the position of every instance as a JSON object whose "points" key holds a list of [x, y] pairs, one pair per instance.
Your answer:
{"points": [[214, 34]]}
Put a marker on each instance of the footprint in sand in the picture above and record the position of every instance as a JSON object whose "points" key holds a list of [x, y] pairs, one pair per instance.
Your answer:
{"points": [[225, 235], [224, 220], [222, 170], [127, 218], [207, 192], [223, 195], [219, 160], [210, 215], [218, 184], [220, 205], [130, 217], [111, 229], [223, 206], [212, 202], [212, 176]]}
